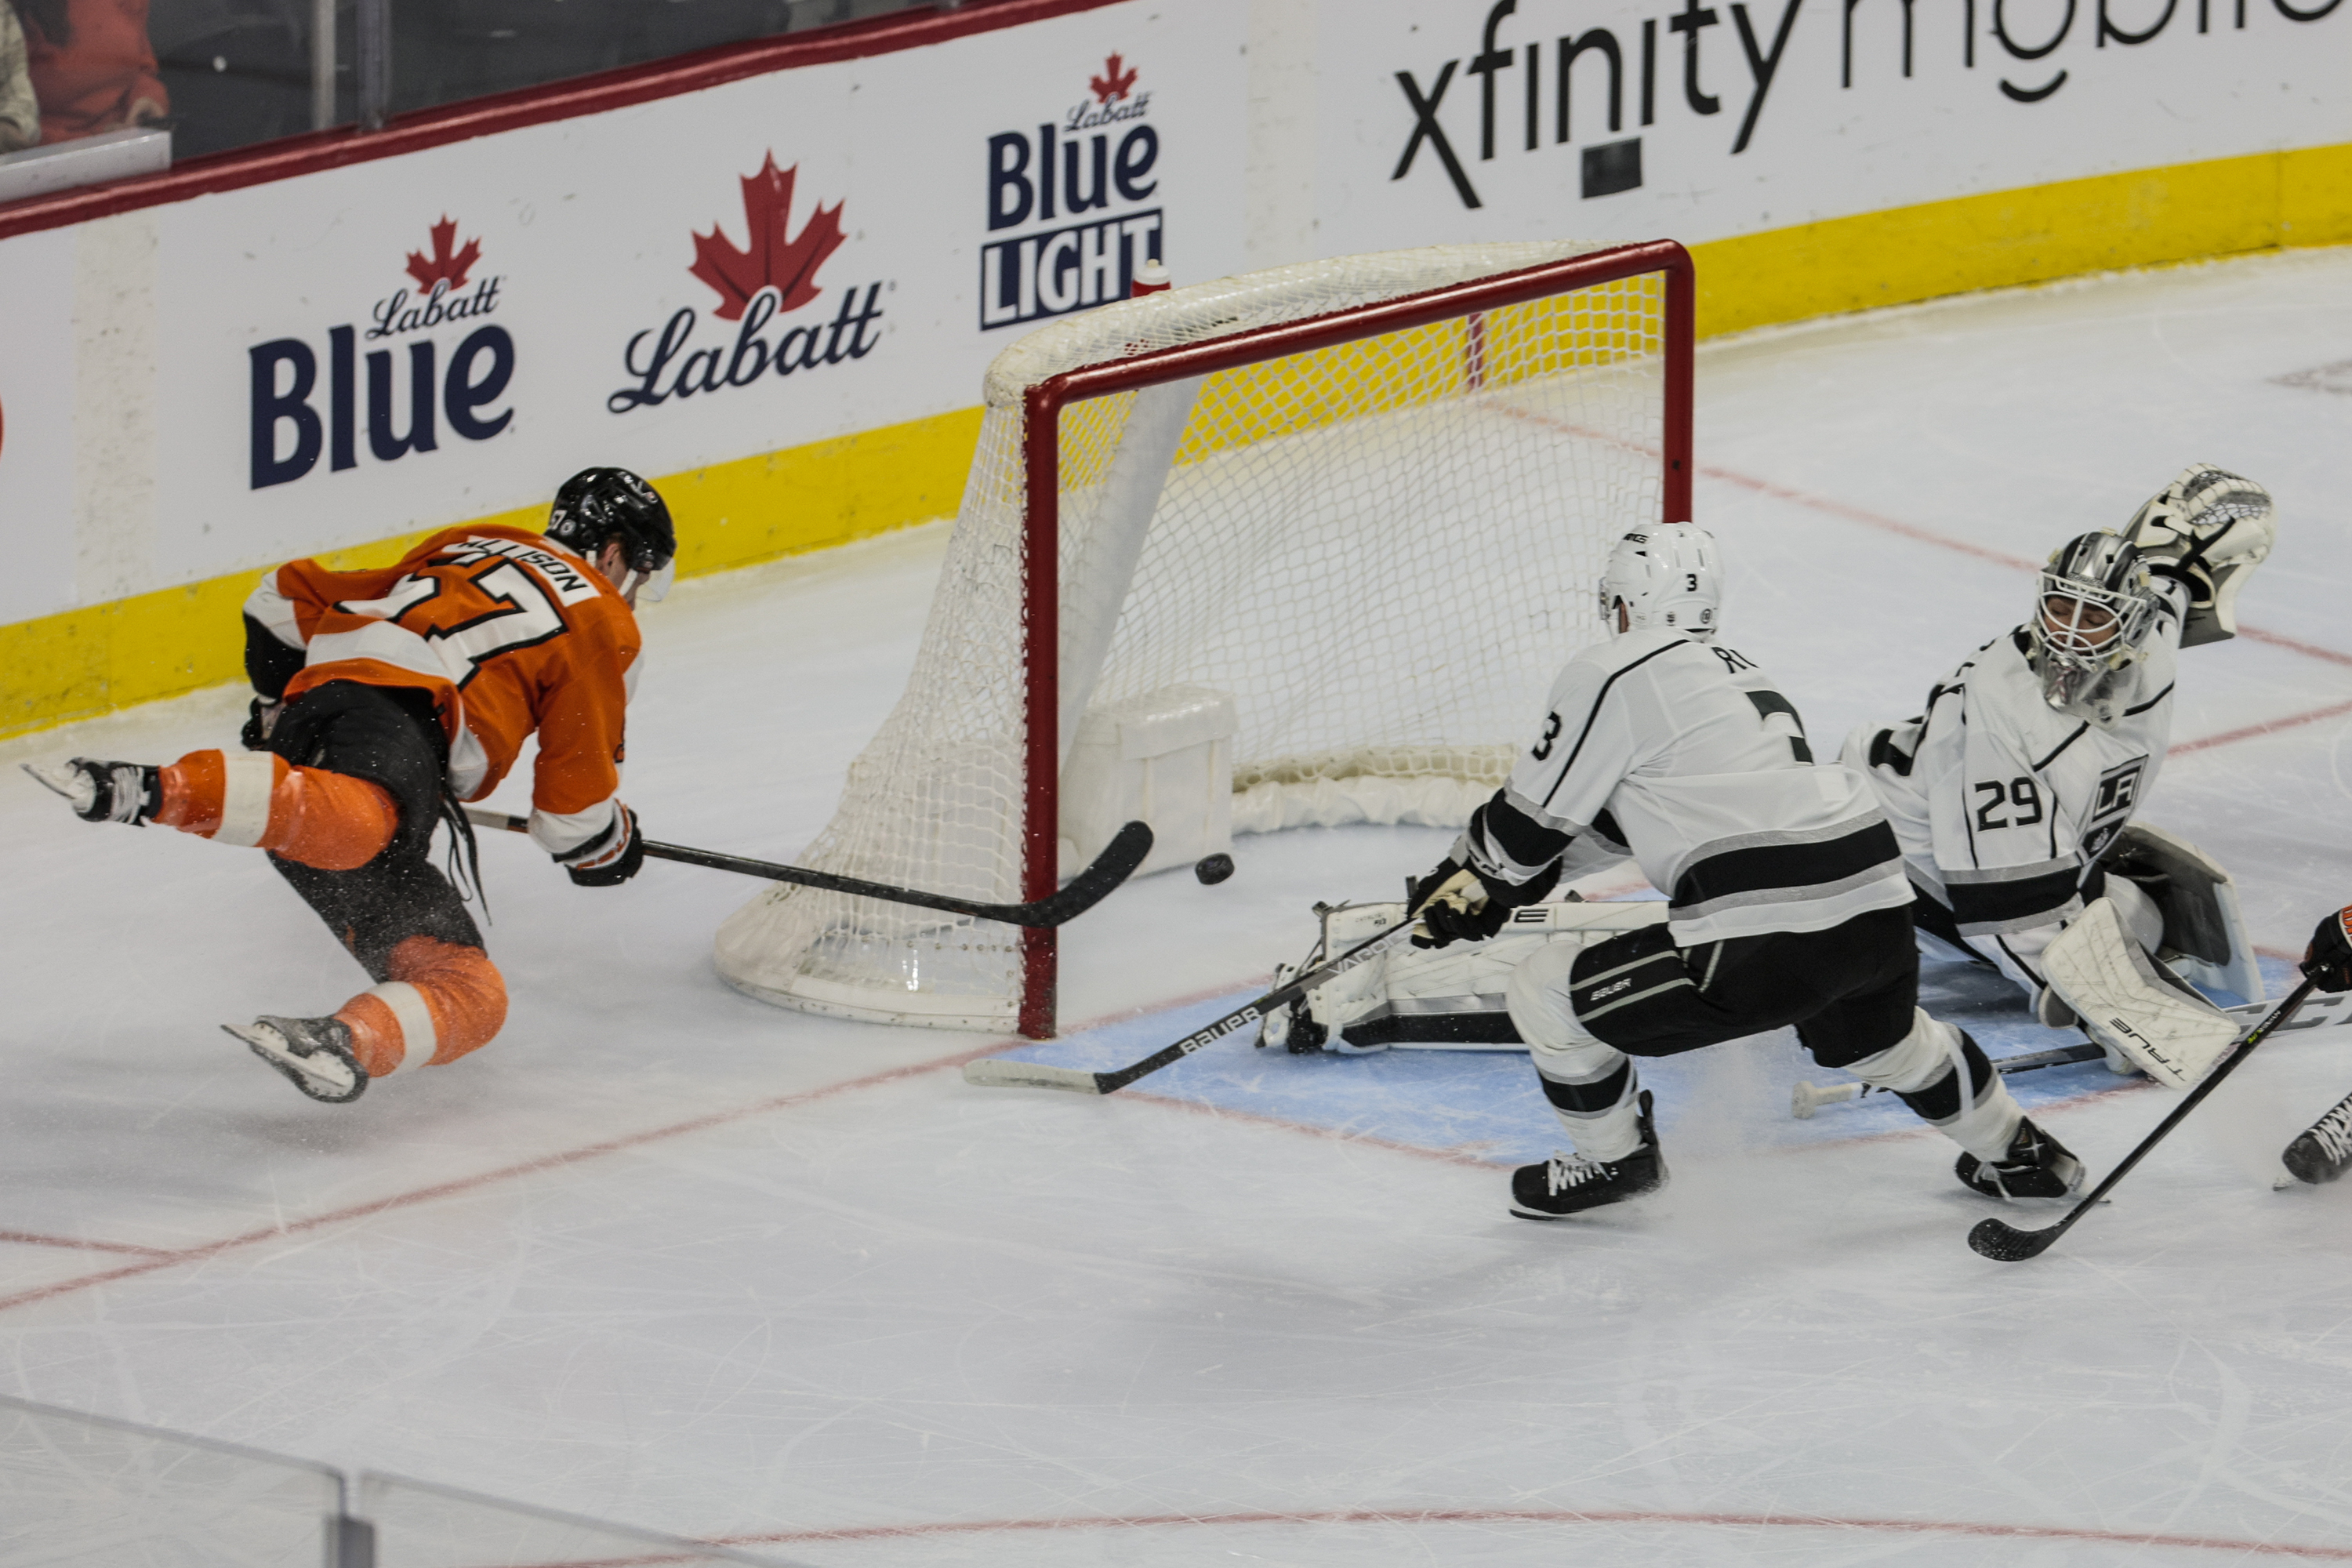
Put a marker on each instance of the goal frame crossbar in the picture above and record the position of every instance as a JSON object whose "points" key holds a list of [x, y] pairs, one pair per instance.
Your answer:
{"points": [[1041, 532]]}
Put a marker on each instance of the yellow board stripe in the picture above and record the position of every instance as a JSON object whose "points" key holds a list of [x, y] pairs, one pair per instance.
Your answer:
{"points": [[88, 661]]}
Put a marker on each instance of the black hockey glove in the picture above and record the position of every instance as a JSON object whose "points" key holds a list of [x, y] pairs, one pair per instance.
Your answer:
{"points": [[1457, 904], [2328, 959], [261, 720], [610, 858]]}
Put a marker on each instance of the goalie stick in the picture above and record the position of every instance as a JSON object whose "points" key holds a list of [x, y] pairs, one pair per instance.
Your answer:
{"points": [[2004, 1243], [1089, 887], [994, 1072], [2328, 1007]]}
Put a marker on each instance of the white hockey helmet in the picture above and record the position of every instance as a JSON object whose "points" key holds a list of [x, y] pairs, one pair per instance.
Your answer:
{"points": [[2093, 611], [1669, 577]]}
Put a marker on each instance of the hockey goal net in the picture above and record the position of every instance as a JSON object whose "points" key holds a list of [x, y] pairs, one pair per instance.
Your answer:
{"points": [[1365, 499]]}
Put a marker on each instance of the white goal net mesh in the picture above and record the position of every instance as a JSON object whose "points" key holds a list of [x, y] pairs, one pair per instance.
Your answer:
{"points": [[1382, 551]]}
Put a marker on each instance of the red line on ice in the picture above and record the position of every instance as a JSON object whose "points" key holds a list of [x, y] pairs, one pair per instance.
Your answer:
{"points": [[1570, 1516], [154, 1259]]}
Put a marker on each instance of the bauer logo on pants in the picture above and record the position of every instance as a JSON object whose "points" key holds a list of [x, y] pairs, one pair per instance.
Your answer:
{"points": [[1066, 199]]}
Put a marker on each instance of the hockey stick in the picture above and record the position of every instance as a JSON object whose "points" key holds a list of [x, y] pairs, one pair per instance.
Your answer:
{"points": [[2327, 1008], [1089, 887], [2004, 1243], [1808, 1098], [994, 1072]]}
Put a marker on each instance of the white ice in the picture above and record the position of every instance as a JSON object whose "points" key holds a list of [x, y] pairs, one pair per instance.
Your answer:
{"points": [[664, 1255]]}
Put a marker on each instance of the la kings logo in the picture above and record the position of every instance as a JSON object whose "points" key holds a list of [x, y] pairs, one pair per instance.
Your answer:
{"points": [[1091, 169]]}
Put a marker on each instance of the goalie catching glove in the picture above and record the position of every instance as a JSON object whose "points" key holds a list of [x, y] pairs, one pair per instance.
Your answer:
{"points": [[2209, 528]]}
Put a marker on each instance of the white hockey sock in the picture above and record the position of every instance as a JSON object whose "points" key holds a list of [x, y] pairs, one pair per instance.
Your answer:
{"points": [[1576, 1067], [1930, 1067]]}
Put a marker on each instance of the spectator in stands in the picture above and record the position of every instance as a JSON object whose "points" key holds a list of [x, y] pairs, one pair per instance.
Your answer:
{"points": [[91, 65], [20, 112]]}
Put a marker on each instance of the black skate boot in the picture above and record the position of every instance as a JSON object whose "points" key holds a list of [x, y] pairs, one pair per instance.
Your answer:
{"points": [[2322, 1153], [106, 792], [2036, 1166], [315, 1055], [1566, 1184]]}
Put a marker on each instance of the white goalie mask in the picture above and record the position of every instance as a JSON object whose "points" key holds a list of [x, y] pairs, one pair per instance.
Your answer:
{"points": [[1669, 577], [2091, 614]]}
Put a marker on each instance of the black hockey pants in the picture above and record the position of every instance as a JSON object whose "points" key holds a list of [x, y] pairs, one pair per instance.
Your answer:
{"points": [[1850, 991], [389, 737]]}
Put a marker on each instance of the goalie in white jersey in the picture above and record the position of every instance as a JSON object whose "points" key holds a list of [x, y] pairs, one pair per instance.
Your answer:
{"points": [[1787, 903], [2011, 793]]}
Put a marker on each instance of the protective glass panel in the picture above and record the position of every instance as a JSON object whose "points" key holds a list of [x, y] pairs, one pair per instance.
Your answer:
{"points": [[79, 1489], [423, 1526]]}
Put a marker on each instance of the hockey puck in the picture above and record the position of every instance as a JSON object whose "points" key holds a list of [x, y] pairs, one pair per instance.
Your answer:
{"points": [[1214, 869]]}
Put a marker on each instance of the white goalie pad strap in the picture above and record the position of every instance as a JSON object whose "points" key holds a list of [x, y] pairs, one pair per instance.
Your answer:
{"points": [[417, 1039], [247, 781], [2129, 1002]]}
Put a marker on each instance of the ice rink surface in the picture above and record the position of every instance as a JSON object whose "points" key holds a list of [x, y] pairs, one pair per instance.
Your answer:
{"points": [[664, 1255]]}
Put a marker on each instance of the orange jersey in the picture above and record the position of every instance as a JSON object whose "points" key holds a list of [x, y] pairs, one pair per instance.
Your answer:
{"points": [[509, 631]]}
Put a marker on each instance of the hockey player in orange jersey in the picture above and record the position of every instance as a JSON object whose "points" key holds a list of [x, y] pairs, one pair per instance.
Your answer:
{"points": [[388, 697]]}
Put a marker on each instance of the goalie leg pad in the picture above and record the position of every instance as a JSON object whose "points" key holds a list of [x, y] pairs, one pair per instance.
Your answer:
{"points": [[2129, 1002], [2203, 932]]}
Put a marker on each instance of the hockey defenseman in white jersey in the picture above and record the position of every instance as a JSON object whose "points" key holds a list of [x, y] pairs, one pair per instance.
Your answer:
{"points": [[2011, 793], [1787, 903]]}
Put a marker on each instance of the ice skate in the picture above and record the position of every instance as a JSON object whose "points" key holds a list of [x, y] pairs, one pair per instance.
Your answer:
{"points": [[315, 1055], [2036, 1166], [1567, 1184]]}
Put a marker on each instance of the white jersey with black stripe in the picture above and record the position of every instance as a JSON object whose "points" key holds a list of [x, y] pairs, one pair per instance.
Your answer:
{"points": [[1685, 755], [2002, 803]]}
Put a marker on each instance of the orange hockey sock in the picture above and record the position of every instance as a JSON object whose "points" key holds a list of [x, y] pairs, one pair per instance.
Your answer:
{"points": [[331, 821], [443, 1000]]}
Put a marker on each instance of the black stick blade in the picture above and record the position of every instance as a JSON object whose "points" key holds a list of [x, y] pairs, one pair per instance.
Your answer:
{"points": [[2004, 1243], [1120, 857]]}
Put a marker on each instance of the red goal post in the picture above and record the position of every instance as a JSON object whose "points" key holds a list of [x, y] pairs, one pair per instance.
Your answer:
{"points": [[1392, 424]]}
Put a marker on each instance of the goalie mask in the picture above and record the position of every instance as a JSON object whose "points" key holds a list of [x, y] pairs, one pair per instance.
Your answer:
{"points": [[2091, 620], [1668, 577]]}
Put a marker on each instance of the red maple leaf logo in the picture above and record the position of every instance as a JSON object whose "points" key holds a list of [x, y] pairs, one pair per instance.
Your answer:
{"points": [[1113, 84], [446, 266], [775, 258]]}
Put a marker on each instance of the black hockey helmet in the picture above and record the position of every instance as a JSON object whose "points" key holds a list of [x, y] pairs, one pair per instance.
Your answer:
{"points": [[597, 506]]}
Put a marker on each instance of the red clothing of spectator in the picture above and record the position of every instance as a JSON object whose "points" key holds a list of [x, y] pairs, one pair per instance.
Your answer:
{"points": [[102, 79]]}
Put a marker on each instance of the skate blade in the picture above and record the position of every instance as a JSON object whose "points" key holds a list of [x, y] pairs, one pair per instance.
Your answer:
{"points": [[321, 1076]]}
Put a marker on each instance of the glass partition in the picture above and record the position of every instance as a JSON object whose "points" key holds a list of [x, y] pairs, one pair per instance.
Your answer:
{"points": [[81, 1490], [223, 74], [417, 1525]]}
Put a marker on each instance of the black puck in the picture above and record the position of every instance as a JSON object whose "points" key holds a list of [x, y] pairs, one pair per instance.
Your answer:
{"points": [[1216, 869]]}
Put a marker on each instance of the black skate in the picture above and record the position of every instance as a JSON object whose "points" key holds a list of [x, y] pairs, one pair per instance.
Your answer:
{"points": [[315, 1055], [1566, 1184], [2321, 1154], [2036, 1166]]}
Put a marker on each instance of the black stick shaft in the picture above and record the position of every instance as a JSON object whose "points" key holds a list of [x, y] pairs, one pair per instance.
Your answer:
{"points": [[1249, 1012], [2043, 1240], [1087, 888]]}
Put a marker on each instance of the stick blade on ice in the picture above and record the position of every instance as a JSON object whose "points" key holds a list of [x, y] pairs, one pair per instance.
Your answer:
{"points": [[994, 1072], [2004, 1243]]}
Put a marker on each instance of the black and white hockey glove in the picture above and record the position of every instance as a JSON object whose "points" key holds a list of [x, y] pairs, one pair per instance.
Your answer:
{"points": [[610, 858], [1458, 904], [106, 792], [2328, 959], [2206, 529]]}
